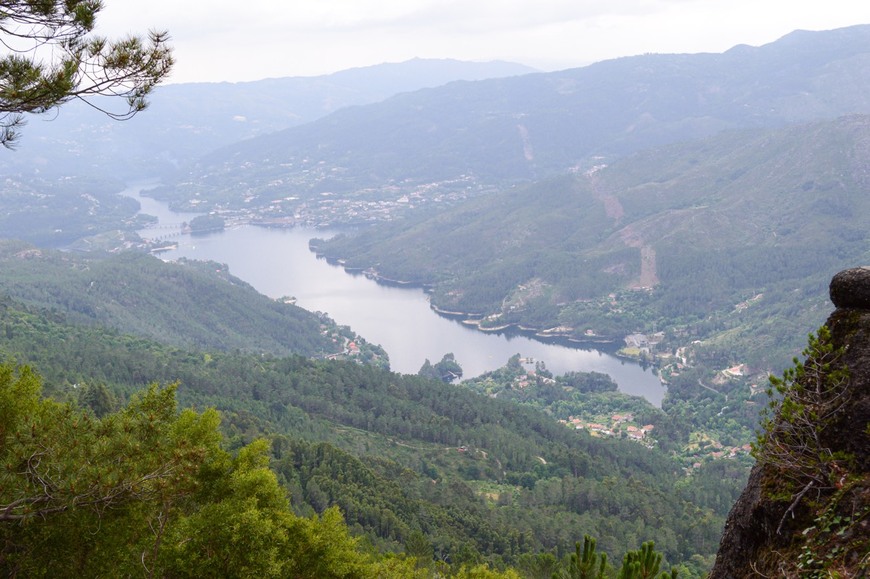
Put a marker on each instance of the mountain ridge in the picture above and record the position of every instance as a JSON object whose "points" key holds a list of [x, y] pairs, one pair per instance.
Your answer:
{"points": [[524, 128], [186, 120], [702, 225]]}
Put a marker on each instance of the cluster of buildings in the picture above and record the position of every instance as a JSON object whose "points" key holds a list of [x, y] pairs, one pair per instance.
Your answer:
{"points": [[386, 203], [719, 451], [616, 425]]}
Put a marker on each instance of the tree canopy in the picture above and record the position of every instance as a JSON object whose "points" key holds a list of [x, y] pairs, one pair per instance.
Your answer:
{"points": [[148, 490], [52, 57]]}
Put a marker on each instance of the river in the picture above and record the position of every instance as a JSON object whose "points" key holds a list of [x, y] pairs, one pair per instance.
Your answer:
{"points": [[277, 262]]}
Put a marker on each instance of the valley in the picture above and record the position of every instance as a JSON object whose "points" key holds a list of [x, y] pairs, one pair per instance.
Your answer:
{"points": [[278, 263], [452, 327]]}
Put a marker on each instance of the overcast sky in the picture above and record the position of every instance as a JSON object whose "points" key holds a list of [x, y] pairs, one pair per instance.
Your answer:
{"points": [[223, 40]]}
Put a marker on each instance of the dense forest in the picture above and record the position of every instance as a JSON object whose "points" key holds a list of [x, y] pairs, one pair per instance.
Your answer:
{"points": [[146, 489], [402, 457], [139, 294]]}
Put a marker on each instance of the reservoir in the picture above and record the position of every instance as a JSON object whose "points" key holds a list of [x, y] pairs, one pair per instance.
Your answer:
{"points": [[278, 263]]}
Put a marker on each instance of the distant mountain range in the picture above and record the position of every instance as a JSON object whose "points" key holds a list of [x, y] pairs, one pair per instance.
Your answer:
{"points": [[186, 121], [742, 182], [532, 126]]}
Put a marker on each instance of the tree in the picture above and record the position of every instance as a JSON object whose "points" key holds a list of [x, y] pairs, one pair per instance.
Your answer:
{"points": [[585, 563], [74, 488], [419, 547], [52, 57], [804, 404], [148, 491], [644, 564], [448, 368]]}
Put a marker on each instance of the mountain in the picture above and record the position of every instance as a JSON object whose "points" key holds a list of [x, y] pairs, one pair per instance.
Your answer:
{"points": [[187, 120], [470, 136], [681, 233]]}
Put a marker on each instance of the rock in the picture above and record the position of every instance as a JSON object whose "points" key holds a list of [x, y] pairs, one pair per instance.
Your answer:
{"points": [[851, 288], [773, 524]]}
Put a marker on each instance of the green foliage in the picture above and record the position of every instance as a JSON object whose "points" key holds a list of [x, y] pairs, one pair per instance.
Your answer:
{"points": [[826, 545], [642, 564], [393, 463], [804, 403], [190, 304], [447, 370], [81, 65], [247, 529], [585, 563], [419, 547], [149, 489], [73, 486], [825, 490]]}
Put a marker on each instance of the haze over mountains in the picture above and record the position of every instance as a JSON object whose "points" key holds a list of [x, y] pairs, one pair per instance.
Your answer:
{"points": [[185, 121], [529, 127], [703, 222], [691, 206], [765, 213]]}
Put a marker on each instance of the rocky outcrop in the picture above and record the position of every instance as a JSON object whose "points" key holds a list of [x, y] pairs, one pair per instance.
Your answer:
{"points": [[805, 511]]}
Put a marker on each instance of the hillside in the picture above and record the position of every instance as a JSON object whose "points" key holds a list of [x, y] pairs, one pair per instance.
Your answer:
{"points": [[192, 304], [464, 138], [53, 212], [674, 238], [482, 479]]}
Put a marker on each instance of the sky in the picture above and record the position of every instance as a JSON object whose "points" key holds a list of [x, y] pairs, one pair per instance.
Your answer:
{"points": [[222, 40]]}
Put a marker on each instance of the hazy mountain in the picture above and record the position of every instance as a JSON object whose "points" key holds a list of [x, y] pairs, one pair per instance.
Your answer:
{"points": [[187, 120], [702, 225], [531, 126]]}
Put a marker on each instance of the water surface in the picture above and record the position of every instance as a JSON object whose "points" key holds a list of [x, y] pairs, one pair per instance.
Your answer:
{"points": [[278, 263]]}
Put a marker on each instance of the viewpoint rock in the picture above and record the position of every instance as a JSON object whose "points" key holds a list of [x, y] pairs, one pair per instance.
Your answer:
{"points": [[851, 288], [792, 521]]}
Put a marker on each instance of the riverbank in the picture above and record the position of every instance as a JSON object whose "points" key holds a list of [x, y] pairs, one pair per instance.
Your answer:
{"points": [[279, 261]]}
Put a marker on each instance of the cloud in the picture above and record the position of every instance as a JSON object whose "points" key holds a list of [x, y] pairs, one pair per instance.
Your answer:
{"points": [[223, 40]]}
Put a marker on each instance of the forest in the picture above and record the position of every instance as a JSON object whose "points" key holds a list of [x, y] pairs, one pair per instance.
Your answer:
{"points": [[405, 459]]}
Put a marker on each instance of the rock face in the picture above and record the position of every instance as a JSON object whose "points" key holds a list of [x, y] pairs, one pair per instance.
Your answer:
{"points": [[851, 288], [794, 520]]}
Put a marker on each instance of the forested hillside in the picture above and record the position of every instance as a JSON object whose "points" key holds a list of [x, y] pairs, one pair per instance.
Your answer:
{"points": [[480, 479], [55, 212], [194, 304], [672, 238]]}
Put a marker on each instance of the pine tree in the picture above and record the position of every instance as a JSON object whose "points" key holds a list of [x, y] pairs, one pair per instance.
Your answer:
{"points": [[585, 563], [53, 58]]}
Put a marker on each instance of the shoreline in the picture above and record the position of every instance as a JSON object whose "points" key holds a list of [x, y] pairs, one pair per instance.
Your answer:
{"points": [[475, 321]]}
